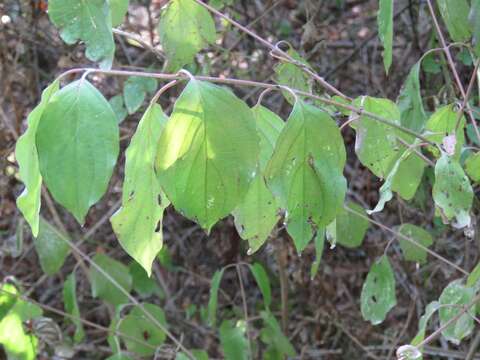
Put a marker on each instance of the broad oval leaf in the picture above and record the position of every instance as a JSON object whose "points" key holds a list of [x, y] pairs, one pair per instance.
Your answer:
{"points": [[185, 28], [89, 21], [52, 247], [78, 144], [385, 30], [452, 191], [27, 157], [135, 90], [257, 214], [412, 113], [138, 326], [305, 172], [454, 297], [376, 143], [348, 229], [207, 153], [103, 287], [118, 9], [143, 202], [378, 292], [455, 14], [71, 305], [442, 123], [410, 251], [409, 175]]}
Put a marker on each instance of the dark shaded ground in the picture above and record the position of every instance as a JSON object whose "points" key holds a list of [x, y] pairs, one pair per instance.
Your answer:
{"points": [[324, 319]]}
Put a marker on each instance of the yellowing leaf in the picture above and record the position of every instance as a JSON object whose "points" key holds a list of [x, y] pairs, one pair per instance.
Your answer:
{"points": [[305, 172], [27, 157], [89, 21], [143, 202], [77, 142], [207, 153], [185, 28]]}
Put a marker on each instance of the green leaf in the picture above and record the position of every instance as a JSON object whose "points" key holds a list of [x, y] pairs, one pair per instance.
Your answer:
{"points": [[135, 90], [472, 167], [16, 342], [143, 202], [452, 191], [385, 30], [411, 252], [455, 14], [118, 107], [378, 292], [207, 153], [305, 172], [412, 113], [52, 247], [474, 19], [474, 277], [257, 214], [319, 242], [233, 341], [185, 28], [457, 295], [348, 229], [102, 287], [71, 305], [376, 143], [292, 75], [8, 298], [118, 356], [422, 324], [118, 9], [443, 123], [141, 283], [78, 144], [218, 4], [197, 354], [136, 325], [273, 335], [409, 175], [27, 157], [213, 300], [263, 283], [89, 21]]}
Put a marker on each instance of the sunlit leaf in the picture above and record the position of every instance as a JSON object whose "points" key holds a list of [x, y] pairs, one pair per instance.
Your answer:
{"points": [[213, 300], [143, 202], [263, 283], [135, 90], [138, 326], [52, 247], [8, 298], [102, 287], [454, 297], [385, 30], [443, 123], [452, 191], [185, 28], [378, 292], [412, 113], [410, 251], [77, 142], [455, 14], [27, 157], [305, 172], [88, 21], [257, 213], [207, 153], [376, 143], [348, 229], [118, 9], [233, 341], [71, 305]]}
